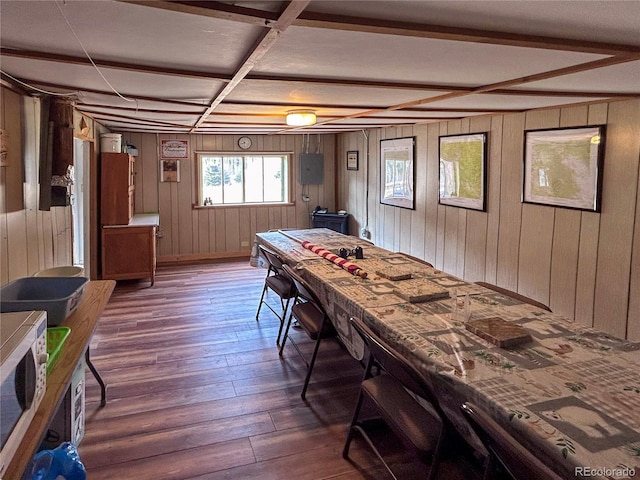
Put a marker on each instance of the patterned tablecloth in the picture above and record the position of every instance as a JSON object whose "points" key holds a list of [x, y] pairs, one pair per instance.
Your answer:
{"points": [[572, 395]]}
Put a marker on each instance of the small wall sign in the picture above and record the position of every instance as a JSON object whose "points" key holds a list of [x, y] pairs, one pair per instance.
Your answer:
{"points": [[174, 149]]}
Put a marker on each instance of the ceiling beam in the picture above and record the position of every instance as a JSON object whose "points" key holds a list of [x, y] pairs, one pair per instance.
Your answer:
{"points": [[312, 19], [259, 50], [212, 9]]}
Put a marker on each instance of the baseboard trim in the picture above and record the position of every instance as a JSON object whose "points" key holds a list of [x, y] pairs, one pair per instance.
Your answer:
{"points": [[202, 257]]}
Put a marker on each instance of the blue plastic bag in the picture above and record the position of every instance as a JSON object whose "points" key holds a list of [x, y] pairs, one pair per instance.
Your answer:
{"points": [[62, 461]]}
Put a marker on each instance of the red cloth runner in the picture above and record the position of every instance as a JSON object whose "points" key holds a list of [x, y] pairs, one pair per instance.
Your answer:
{"points": [[350, 267]]}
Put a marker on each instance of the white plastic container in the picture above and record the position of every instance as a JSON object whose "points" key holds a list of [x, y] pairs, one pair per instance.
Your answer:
{"points": [[64, 271], [111, 142]]}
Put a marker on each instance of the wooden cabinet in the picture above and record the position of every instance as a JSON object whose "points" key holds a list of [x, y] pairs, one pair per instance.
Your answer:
{"points": [[128, 240], [117, 187], [129, 252]]}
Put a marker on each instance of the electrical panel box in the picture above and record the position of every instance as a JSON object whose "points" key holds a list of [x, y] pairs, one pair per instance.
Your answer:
{"points": [[311, 168]]}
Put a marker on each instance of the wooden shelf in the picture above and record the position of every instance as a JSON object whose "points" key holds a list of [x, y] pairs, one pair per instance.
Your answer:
{"points": [[83, 322]]}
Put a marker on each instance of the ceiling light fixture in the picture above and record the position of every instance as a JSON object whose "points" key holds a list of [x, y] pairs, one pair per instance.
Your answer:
{"points": [[301, 118]]}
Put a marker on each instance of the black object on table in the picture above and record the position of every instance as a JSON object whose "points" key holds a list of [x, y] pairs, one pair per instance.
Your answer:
{"points": [[338, 222]]}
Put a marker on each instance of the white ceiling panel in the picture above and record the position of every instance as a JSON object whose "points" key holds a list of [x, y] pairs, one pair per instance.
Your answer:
{"points": [[118, 31], [357, 64], [615, 79], [313, 94], [339, 54], [607, 21]]}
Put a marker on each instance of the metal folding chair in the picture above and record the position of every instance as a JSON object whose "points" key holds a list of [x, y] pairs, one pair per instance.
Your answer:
{"points": [[514, 458], [279, 283], [311, 317], [420, 425]]}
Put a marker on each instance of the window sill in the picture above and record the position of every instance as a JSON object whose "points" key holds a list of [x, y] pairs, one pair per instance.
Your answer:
{"points": [[243, 205]]}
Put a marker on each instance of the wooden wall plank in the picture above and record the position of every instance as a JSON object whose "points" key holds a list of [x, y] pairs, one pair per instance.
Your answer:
{"points": [[564, 262], [31, 111], [588, 243], [633, 322], [534, 261], [419, 215], [440, 224], [232, 229], [431, 209], [619, 199], [510, 206], [494, 167]]}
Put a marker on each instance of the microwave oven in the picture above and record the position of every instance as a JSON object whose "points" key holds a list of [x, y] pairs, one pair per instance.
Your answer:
{"points": [[23, 375]]}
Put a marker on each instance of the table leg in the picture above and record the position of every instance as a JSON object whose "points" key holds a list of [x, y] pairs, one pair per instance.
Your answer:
{"points": [[103, 385]]}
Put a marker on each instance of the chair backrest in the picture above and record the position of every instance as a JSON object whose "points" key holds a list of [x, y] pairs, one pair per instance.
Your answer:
{"points": [[394, 364], [515, 295], [273, 259], [416, 259], [304, 290], [519, 462]]}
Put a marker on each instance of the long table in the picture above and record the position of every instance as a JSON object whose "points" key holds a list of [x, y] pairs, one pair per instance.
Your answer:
{"points": [[571, 395], [83, 322]]}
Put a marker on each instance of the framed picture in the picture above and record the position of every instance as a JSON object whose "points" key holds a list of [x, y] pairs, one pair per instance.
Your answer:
{"points": [[352, 160], [463, 165], [397, 172], [170, 171], [563, 167]]}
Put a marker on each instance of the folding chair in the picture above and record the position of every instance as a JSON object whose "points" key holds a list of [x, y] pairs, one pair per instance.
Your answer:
{"points": [[515, 459], [311, 317], [279, 283], [514, 295], [419, 425]]}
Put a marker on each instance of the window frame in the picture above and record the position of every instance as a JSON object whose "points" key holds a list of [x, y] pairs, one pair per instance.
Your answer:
{"points": [[198, 200]]}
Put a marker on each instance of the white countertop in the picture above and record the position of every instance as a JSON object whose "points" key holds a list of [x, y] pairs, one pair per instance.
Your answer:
{"points": [[140, 220]]}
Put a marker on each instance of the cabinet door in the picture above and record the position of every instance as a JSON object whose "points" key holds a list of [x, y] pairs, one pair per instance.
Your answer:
{"points": [[129, 253], [117, 188]]}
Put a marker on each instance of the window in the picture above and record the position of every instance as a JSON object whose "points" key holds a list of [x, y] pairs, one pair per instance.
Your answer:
{"points": [[226, 179]]}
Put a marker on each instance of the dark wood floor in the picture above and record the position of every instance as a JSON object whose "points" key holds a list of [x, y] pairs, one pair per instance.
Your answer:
{"points": [[197, 389]]}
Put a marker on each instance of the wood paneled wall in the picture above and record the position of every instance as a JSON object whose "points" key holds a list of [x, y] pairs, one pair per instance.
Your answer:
{"points": [[210, 232], [30, 239], [584, 265]]}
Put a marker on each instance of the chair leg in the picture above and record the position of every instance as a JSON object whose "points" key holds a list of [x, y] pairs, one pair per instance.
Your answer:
{"points": [[311, 363], [285, 334], [285, 308], [264, 290], [354, 420]]}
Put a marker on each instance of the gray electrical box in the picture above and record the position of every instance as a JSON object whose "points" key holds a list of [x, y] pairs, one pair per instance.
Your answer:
{"points": [[311, 168]]}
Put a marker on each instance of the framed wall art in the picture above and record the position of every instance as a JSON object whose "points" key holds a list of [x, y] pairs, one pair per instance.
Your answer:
{"points": [[352, 160], [170, 171], [563, 167], [462, 173], [397, 172]]}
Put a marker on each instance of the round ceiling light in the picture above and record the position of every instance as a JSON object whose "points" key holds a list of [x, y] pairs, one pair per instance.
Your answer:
{"points": [[301, 118]]}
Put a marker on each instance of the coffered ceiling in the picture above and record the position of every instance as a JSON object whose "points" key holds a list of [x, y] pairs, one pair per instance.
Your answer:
{"points": [[240, 66]]}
